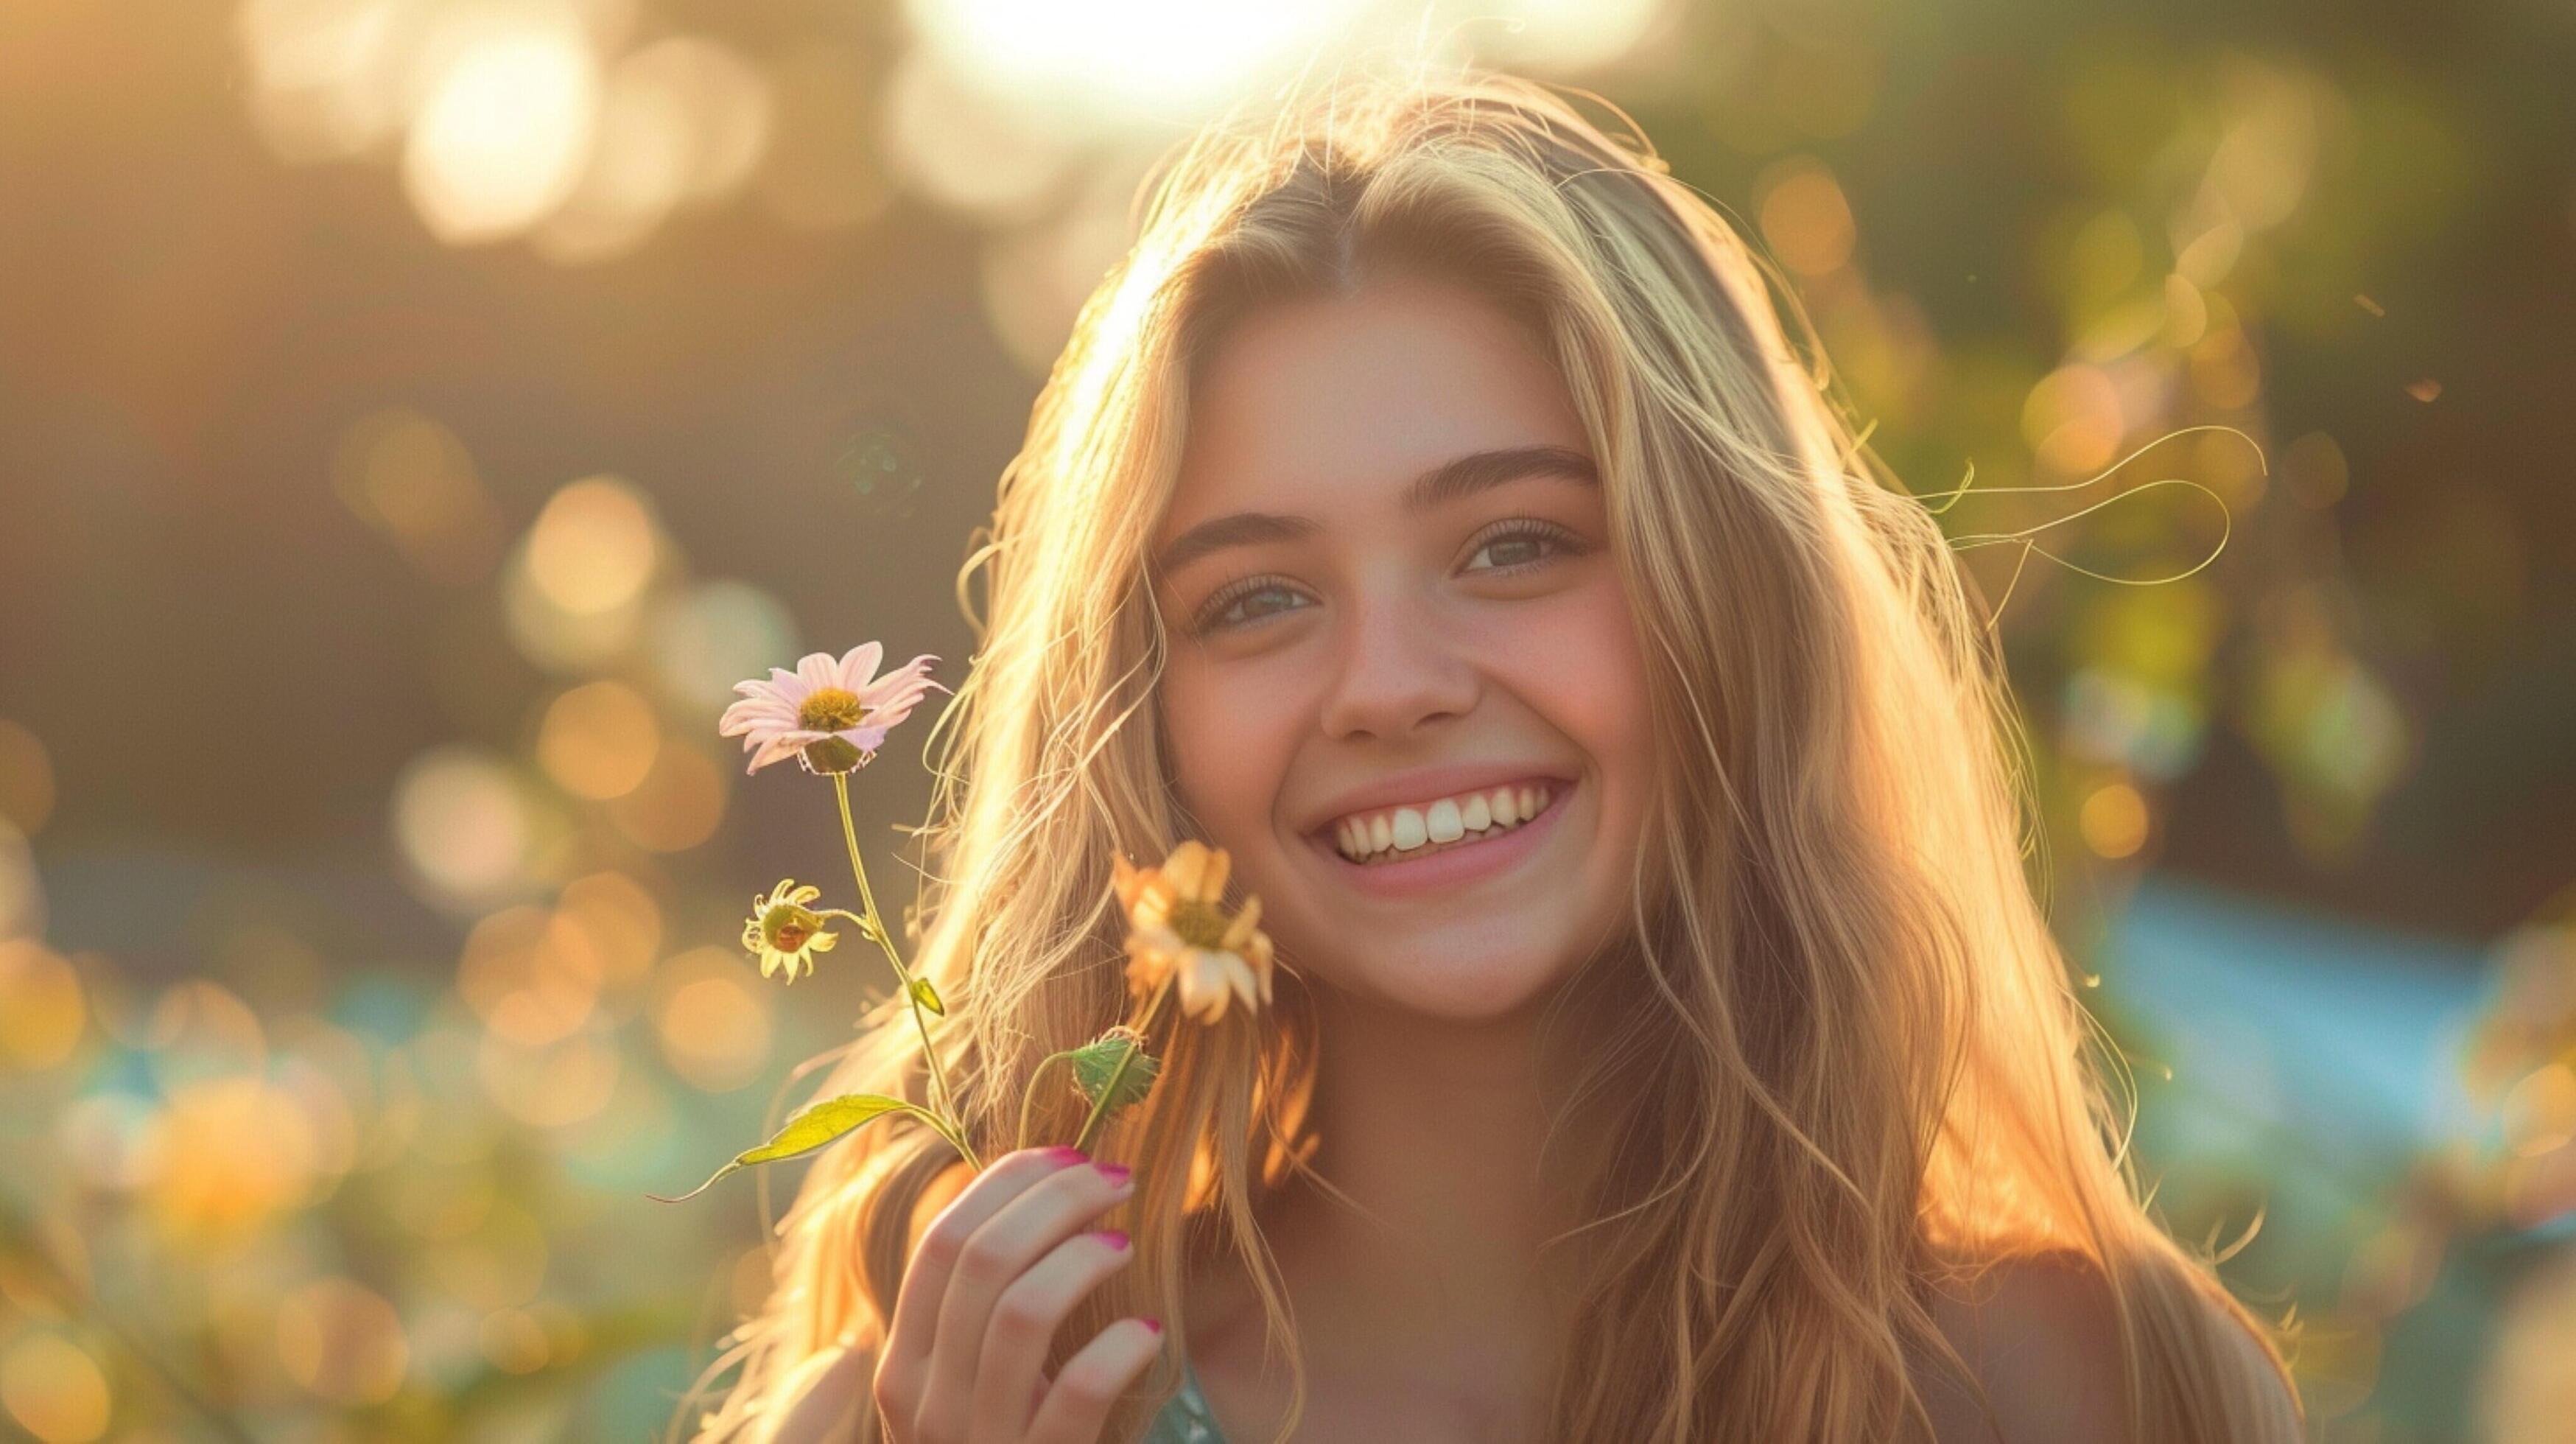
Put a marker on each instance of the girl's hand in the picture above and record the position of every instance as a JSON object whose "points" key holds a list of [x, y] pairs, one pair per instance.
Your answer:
{"points": [[991, 1279]]}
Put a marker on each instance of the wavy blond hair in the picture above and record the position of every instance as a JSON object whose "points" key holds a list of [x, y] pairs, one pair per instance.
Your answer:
{"points": [[1870, 1072]]}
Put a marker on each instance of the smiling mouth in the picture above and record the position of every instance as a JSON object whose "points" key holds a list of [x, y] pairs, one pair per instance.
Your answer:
{"points": [[1547, 792]]}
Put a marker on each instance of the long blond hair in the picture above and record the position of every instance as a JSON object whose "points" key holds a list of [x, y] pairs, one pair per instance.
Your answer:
{"points": [[1870, 1071]]}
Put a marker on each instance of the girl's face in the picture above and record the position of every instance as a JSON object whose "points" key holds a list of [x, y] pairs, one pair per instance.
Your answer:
{"points": [[1387, 579]]}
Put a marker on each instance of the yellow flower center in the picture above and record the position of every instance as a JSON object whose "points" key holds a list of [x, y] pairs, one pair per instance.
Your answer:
{"points": [[829, 709], [1200, 924]]}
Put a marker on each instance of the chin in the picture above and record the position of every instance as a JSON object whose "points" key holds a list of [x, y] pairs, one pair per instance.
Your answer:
{"points": [[1457, 986]]}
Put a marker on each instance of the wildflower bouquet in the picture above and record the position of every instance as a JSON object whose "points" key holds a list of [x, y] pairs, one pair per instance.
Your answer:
{"points": [[832, 716]]}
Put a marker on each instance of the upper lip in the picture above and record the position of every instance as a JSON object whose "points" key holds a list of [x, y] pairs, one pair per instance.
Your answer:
{"points": [[1424, 784]]}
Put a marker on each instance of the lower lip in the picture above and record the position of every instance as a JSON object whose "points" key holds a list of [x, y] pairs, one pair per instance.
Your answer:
{"points": [[1456, 867]]}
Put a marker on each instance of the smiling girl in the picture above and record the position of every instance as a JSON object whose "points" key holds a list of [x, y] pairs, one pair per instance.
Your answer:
{"points": [[1668, 1045]]}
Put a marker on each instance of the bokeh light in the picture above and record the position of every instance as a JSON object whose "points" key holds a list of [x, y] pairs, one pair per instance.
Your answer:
{"points": [[2115, 821], [22, 893], [599, 740], [461, 822], [26, 779], [53, 1388], [715, 635], [43, 1013], [411, 478], [342, 1341], [713, 1015], [682, 120], [1806, 218], [576, 590], [506, 120], [1126, 58], [223, 1158], [679, 804], [593, 547]]}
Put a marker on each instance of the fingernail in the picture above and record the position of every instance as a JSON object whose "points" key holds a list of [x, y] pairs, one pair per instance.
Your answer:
{"points": [[1114, 1172], [1155, 1324], [1114, 1237], [1066, 1153]]}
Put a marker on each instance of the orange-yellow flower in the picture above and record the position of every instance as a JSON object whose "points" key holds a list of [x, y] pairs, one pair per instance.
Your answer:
{"points": [[784, 932], [1178, 929]]}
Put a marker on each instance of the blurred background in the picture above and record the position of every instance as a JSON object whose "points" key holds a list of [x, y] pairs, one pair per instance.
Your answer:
{"points": [[416, 414]]}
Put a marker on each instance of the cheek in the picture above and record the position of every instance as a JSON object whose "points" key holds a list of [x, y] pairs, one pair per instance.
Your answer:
{"points": [[1584, 665], [1229, 744]]}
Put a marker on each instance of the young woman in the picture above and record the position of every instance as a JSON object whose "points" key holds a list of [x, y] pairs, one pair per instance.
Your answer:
{"points": [[1726, 1084]]}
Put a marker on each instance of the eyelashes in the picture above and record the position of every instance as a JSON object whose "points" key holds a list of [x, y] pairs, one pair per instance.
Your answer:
{"points": [[1211, 616]]}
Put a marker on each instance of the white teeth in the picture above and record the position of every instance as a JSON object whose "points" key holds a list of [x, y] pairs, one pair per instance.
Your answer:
{"points": [[1444, 822], [1409, 831], [1447, 820]]}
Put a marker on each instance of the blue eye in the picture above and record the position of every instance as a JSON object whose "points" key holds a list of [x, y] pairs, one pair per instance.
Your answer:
{"points": [[1213, 617], [1524, 540]]}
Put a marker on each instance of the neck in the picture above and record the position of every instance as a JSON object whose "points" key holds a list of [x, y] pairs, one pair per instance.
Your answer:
{"points": [[1434, 1131]]}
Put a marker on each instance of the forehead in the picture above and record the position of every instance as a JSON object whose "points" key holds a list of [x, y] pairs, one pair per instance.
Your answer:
{"points": [[1328, 405]]}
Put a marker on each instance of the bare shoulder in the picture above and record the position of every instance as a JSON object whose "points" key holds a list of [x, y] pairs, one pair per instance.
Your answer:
{"points": [[2042, 1336]]}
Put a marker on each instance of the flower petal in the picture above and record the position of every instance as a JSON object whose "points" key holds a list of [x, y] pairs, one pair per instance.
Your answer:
{"points": [[1184, 868], [1239, 932], [1212, 882], [908, 681], [766, 699], [815, 670], [858, 664], [1239, 974], [1202, 996], [778, 749]]}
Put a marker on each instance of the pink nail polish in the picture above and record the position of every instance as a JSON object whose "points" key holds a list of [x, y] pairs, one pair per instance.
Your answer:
{"points": [[1114, 1172], [1114, 1237], [1066, 1153], [1155, 1324]]}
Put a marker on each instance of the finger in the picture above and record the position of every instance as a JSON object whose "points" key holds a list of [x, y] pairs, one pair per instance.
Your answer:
{"points": [[1093, 1381], [903, 1373], [1025, 1319], [993, 1257]]}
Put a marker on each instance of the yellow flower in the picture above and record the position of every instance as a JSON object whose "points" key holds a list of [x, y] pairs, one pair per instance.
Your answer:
{"points": [[784, 932], [1178, 928]]}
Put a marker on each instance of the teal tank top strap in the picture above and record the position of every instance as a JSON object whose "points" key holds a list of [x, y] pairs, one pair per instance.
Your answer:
{"points": [[1186, 1419]]}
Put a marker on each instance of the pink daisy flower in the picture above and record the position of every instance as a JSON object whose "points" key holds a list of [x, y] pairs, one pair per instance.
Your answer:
{"points": [[831, 716]]}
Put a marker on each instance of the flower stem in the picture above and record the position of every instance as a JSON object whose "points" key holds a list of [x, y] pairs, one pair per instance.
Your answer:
{"points": [[1032, 1091], [1100, 1104], [946, 1101]]}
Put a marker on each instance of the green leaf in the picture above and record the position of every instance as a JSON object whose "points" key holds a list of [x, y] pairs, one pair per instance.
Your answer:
{"points": [[1095, 1061], [928, 996], [808, 1131]]}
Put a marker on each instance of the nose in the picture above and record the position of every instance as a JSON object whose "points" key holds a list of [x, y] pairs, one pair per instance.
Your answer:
{"points": [[1394, 671]]}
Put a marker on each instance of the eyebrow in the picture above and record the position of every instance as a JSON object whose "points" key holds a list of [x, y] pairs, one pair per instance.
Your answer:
{"points": [[1451, 480]]}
